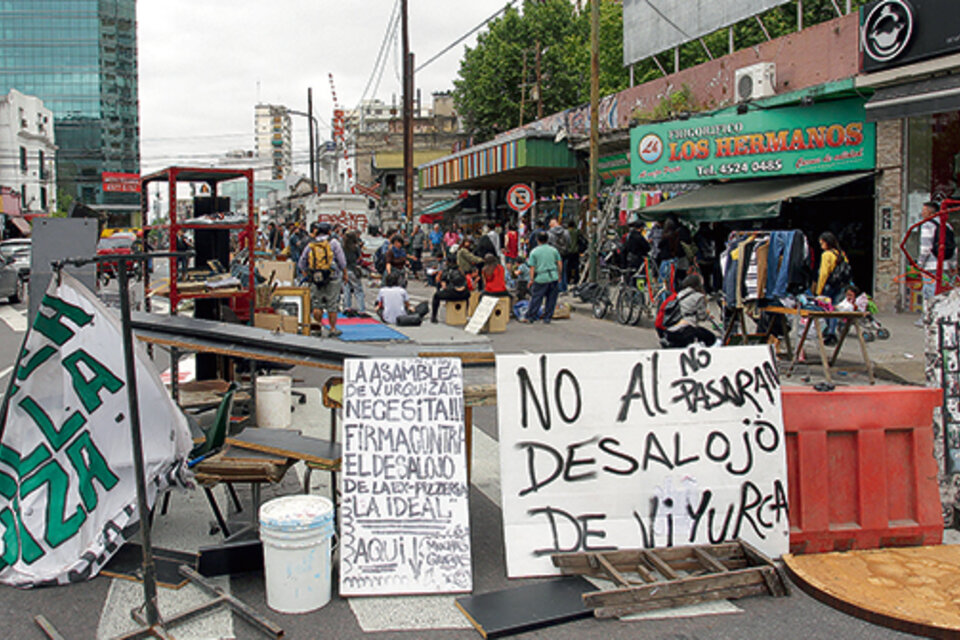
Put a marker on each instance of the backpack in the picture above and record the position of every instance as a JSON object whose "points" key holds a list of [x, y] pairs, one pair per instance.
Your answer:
{"points": [[320, 262], [949, 247], [582, 243], [560, 240], [669, 313], [380, 257], [841, 275]]}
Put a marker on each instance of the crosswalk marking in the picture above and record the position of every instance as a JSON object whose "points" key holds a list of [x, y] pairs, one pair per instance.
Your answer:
{"points": [[15, 318]]}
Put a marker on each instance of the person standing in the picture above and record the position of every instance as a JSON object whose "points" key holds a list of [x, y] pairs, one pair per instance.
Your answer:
{"points": [[352, 275], [436, 242], [830, 281], [417, 241], [511, 246], [546, 266], [559, 238], [930, 248], [324, 263]]}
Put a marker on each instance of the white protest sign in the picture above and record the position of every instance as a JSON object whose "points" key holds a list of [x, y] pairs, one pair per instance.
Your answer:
{"points": [[641, 449], [481, 314], [404, 515], [67, 486]]}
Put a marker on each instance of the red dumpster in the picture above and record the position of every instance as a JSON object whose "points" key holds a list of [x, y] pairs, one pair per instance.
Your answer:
{"points": [[860, 467]]}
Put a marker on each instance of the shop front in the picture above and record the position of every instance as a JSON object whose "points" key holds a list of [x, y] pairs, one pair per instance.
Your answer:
{"points": [[910, 62], [791, 164]]}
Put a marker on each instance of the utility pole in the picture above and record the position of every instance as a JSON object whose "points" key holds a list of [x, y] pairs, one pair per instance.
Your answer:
{"points": [[539, 87], [523, 87], [594, 132], [407, 115], [313, 164]]}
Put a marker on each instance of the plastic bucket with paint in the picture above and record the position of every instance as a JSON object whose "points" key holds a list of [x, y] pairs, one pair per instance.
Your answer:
{"points": [[273, 401], [296, 532]]}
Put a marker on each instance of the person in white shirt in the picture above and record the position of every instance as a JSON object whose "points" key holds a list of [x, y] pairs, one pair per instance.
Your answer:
{"points": [[929, 250], [392, 300]]}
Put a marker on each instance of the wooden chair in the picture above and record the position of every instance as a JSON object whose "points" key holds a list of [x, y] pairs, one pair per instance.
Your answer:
{"points": [[332, 392]]}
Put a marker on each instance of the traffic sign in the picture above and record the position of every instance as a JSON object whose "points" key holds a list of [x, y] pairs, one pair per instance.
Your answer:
{"points": [[520, 197]]}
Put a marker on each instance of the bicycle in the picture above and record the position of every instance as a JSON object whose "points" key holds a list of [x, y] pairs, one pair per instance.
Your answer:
{"points": [[632, 294]]}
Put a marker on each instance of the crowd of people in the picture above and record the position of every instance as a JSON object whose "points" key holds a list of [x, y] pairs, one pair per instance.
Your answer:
{"points": [[537, 267]]}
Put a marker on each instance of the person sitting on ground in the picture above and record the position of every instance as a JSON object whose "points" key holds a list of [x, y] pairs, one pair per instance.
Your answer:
{"points": [[392, 300], [692, 312], [452, 286], [467, 260], [494, 277]]}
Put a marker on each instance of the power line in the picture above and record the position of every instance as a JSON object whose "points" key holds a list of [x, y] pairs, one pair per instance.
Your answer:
{"points": [[466, 35]]}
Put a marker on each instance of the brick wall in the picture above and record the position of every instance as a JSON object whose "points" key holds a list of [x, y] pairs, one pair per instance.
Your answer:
{"points": [[890, 221]]}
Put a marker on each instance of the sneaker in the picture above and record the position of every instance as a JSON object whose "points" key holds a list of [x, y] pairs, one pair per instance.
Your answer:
{"points": [[829, 341], [434, 320], [333, 333]]}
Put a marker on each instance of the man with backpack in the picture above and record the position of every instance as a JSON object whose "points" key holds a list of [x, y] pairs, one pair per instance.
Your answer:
{"points": [[323, 263]]}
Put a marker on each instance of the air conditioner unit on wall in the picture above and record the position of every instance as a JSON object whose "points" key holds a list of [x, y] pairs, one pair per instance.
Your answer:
{"points": [[755, 81]]}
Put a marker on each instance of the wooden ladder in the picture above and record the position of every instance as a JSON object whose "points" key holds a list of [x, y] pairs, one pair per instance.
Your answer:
{"points": [[674, 576]]}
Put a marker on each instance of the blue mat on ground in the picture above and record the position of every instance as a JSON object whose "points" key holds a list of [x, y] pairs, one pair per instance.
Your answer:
{"points": [[366, 330]]}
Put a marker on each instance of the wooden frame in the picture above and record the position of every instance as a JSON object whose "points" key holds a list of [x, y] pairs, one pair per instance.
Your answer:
{"points": [[302, 295]]}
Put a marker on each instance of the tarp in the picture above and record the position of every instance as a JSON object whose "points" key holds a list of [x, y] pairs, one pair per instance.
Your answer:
{"points": [[746, 199], [436, 210], [67, 486]]}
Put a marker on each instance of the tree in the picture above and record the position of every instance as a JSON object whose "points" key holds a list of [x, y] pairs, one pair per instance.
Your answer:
{"points": [[491, 77]]}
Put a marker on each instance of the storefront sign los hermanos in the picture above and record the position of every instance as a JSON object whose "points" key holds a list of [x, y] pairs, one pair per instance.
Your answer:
{"points": [[831, 136]]}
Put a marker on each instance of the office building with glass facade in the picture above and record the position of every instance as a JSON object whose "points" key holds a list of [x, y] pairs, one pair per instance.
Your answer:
{"points": [[80, 58]]}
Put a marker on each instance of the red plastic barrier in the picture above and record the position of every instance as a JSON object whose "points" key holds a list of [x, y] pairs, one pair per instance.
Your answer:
{"points": [[860, 468]]}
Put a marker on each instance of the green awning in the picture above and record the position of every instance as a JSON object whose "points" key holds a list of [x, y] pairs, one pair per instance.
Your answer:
{"points": [[440, 207], [746, 199]]}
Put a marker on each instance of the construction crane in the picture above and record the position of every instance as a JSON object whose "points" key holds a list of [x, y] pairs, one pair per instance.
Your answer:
{"points": [[339, 133]]}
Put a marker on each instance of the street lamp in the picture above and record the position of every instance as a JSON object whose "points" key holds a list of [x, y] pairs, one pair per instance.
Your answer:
{"points": [[312, 125]]}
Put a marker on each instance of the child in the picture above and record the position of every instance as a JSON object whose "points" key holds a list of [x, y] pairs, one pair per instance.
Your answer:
{"points": [[392, 300]]}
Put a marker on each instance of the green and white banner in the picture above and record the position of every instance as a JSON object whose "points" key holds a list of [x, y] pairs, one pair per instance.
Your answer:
{"points": [[67, 487]]}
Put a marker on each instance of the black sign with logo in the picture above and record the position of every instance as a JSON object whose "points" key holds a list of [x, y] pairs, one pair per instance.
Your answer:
{"points": [[898, 32]]}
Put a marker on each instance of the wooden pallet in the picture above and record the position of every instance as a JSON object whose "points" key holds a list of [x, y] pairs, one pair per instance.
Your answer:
{"points": [[648, 579]]}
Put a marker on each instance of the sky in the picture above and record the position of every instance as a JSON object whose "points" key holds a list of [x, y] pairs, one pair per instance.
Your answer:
{"points": [[204, 64]]}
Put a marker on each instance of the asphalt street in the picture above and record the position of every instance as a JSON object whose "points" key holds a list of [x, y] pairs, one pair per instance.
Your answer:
{"points": [[98, 608]]}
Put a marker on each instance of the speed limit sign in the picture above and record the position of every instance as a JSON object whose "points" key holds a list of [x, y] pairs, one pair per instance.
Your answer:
{"points": [[520, 197]]}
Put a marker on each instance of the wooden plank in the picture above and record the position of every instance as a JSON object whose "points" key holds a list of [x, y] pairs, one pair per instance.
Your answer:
{"points": [[611, 572], [644, 573], [625, 560], [240, 454], [709, 562], [480, 395], [466, 357], [127, 564], [658, 563], [680, 601], [682, 587], [289, 443], [502, 613]]}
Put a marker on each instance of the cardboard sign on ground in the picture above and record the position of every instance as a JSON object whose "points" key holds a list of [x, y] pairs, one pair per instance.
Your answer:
{"points": [[481, 315], [404, 515], [643, 449]]}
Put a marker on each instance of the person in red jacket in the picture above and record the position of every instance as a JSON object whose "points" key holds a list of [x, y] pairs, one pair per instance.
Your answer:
{"points": [[511, 245], [494, 277]]}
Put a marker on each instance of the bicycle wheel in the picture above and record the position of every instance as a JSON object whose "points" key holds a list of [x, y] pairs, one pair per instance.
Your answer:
{"points": [[643, 308], [626, 305], [601, 304]]}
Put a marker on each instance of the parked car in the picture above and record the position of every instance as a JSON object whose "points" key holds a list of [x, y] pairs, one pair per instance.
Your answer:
{"points": [[117, 244], [10, 287], [19, 250]]}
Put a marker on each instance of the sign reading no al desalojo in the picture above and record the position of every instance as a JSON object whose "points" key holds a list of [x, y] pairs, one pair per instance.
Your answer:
{"points": [[831, 136]]}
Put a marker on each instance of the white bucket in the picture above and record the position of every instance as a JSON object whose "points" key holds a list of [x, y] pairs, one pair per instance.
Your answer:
{"points": [[273, 402], [296, 531]]}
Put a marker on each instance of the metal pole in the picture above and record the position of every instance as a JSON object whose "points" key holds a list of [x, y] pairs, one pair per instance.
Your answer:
{"points": [[313, 174], [539, 87], [407, 114], [149, 569], [594, 131]]}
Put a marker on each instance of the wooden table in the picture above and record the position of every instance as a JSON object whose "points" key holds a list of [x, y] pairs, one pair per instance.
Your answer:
{"points": [[812, 317]]}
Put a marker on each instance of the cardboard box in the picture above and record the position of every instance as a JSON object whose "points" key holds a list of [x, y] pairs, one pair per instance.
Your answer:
{"points": [[276, 321], [285, 270]]}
